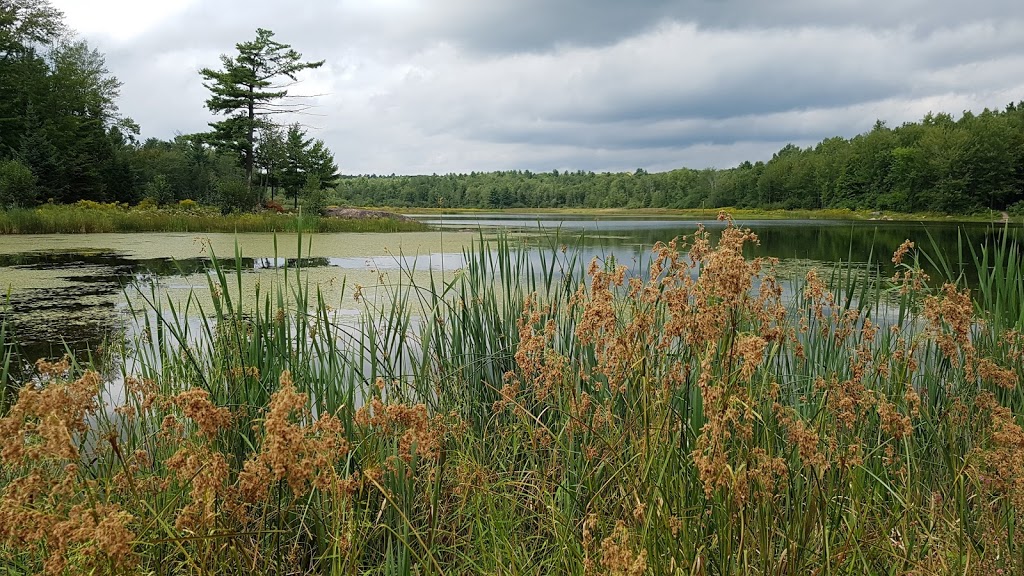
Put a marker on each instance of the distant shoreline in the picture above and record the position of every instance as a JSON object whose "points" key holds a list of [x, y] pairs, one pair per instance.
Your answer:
{"points": [[110, 218], [997, 217]]}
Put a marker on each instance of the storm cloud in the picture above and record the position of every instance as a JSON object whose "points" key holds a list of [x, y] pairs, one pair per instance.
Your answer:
{"points": [[457, 85]]}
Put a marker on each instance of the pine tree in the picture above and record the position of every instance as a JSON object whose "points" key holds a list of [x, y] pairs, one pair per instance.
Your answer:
{"points": [[251, 86], [293, 176], [320, 162]]}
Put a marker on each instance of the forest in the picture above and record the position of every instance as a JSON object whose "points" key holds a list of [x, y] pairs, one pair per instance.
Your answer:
{"points": [[939, 164]]}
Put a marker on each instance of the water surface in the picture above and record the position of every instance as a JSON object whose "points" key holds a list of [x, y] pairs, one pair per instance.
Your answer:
{"points": [[70, 289]]}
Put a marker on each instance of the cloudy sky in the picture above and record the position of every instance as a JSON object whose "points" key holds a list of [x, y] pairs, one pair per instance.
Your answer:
{"points": [[425, 86]]}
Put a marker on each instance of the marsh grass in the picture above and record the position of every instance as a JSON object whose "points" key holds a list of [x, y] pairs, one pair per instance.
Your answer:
{"points": [[92, 218], [545, 416], [995, 274], [7, 356]]}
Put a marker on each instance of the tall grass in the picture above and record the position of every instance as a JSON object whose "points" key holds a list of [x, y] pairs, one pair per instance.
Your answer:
{"points": [[74, 219], [995, 272], [6, 357], [536, 415]]}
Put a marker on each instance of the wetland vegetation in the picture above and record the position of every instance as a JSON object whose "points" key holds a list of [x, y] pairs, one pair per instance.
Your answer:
{"points": [[614, 403], [576, 417], [85, 217]]}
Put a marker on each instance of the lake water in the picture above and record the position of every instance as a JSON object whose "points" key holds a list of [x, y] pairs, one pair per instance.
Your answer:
{"points": [[70, 289]]}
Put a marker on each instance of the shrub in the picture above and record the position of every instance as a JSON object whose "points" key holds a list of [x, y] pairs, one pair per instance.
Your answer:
{"points": [[314, 198], [17, 184], [235, 195], [93, 205], [147, 203], [159, 189], [1016, 209]]}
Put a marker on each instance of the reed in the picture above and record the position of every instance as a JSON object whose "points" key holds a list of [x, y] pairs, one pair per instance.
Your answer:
{"points": [[538, 415], [7, 386]]}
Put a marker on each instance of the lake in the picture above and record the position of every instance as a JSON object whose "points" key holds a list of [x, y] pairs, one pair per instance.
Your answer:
{"points": [[71, 289]]}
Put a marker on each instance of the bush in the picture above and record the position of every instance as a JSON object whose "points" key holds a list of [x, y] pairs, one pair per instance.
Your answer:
{"points": [[1016, 209], [315, 200], [235, 195], [147, 203], [17, 184], [159, 189], [93, 205]]}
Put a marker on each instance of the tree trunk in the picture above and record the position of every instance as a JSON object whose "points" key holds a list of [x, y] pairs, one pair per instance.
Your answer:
{"points": [[250, 147], [270, 181]]}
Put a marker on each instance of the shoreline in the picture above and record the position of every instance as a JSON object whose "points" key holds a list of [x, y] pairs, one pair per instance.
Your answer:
{"points": [[996, 217], [73, 219]]}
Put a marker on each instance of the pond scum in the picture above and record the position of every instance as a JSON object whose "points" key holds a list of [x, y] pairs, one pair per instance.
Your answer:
{"points": [[524, 419]]}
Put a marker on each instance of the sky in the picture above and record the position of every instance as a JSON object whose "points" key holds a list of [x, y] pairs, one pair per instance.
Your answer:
{"points": [[439, 86]]}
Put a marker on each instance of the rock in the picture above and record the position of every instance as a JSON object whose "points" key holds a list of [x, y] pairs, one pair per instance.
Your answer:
{"points": [[361, 214]]}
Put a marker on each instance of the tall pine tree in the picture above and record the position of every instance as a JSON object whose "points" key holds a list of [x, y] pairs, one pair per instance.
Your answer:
{"points": [[249, 87]]}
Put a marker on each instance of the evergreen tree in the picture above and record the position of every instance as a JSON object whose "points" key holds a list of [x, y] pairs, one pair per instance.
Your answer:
{"points": [[270, 157], [248, 88], [320, 163], [294, 175]]}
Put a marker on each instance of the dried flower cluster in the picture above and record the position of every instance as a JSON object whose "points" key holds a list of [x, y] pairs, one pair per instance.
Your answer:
{"points": [[294, 451], [41, 507], [418, 433]]}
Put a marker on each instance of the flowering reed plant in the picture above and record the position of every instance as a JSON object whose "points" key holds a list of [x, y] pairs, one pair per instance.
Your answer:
{"points": [[695, 416]]}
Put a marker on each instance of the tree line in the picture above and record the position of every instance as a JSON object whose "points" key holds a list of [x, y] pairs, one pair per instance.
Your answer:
{"points": [[63, 139], [937, 164]]}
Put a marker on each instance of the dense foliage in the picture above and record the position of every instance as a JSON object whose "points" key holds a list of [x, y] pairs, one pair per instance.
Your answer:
{"points": [[938, 164], [58, 116]]}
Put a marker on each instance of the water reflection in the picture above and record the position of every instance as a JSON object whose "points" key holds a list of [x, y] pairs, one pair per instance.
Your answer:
{"points": [[73, 295], [825, 241], [68, 299]]}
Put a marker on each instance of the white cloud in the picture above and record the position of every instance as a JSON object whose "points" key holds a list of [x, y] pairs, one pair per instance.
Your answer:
{"points": [[118, 20], [455, 85]]}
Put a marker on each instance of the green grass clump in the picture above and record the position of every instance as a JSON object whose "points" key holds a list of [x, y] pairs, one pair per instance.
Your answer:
{"points": [[536, 417], [6, 358], [92, 218]]}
